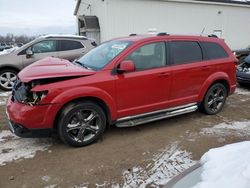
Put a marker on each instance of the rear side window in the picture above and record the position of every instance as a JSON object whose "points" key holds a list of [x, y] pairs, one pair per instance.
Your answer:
{"points": [[185, 52], [214, 50], [70, 45]]}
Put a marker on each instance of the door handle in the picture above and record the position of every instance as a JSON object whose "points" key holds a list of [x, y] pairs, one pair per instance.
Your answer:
{"points": [[205, 68], [164, 74]]}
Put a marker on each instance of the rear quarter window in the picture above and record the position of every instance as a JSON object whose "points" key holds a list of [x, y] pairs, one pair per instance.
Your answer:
{"points": [[213, 50], [66, 45], [183, 52]]}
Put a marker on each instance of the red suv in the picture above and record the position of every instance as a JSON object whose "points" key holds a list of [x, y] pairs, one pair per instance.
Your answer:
{"points": [[125, 82]]}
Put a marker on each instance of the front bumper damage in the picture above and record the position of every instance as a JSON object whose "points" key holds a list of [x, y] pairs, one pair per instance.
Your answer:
{"points": [[243, 73], [27, 119]]}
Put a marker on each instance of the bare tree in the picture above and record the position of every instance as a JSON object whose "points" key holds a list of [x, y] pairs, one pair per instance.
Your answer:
{"points": [[16, 38]]}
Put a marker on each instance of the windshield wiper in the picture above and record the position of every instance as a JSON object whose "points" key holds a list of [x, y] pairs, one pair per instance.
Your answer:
{"points": [[81, 64]]}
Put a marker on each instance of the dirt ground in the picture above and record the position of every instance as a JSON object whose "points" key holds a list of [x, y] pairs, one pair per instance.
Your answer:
{"points": [[144, 156]]}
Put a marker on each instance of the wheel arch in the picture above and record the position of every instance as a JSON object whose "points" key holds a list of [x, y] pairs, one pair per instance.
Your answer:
{"points": [[213, 79], [10, 67], [96, 100]]}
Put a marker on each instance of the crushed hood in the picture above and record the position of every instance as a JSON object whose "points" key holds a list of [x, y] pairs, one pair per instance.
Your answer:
{"points": [[52, 68]]}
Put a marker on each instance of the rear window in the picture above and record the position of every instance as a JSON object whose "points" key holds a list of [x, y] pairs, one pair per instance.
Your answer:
{"points": [[214, 50], [185, 52], [70, 45]]}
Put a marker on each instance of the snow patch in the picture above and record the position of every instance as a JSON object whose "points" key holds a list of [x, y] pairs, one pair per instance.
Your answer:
{"points": [[15, 148], [3, 97], [4, 94], [51, 186], [237, 128], [242, 91], [45, 178], [84, 185], [7, 51], [227, 166], [165, 165]]}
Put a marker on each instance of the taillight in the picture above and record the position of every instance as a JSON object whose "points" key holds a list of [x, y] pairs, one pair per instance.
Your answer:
{"points": [[236, 61]]}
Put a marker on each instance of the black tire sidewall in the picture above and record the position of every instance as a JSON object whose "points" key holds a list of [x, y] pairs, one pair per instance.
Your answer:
{"points": [[7, 70], [68, 111], [205, 101]]}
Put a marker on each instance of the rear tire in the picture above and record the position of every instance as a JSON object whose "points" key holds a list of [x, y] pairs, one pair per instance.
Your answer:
{"points": [[214, 99], [81, 123], [7, 79]]}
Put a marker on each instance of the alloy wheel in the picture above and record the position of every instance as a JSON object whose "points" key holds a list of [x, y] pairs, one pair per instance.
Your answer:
{"points": [[83, 125], [216, 99], [7, 80]]}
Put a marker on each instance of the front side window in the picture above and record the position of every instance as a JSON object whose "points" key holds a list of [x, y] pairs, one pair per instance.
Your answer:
{"points": [[100, 56], [70, 45], [185, 52], [44, 46], [149, 56]]}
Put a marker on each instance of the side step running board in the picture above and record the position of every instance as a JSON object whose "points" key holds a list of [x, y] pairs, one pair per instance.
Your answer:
{"points": [[131, 121]]}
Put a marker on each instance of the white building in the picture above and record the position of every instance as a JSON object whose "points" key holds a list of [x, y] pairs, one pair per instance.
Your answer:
{"points": [[107, 19]]}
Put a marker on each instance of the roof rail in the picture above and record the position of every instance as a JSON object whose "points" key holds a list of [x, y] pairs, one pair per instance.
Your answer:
{"points": [[213, 35], [132, 34], [162, 34]]}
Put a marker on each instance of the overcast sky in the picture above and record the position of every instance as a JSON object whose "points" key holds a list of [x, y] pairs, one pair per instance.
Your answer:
{"points": [[36, 17]]}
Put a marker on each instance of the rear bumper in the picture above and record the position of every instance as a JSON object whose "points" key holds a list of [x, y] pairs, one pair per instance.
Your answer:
{"points": [[243, 77], [25, 118], [243, 80]]}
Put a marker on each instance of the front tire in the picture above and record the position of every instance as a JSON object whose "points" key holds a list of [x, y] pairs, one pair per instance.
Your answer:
{"points": [[214, 99], [81, 123], [7, 79]]}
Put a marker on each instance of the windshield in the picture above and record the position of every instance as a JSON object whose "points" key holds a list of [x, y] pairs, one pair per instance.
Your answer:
{"points": [[100, 56]]}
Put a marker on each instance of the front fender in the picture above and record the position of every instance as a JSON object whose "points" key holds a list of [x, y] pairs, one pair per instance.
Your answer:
{"points": [[86, 91], [210, 80]]}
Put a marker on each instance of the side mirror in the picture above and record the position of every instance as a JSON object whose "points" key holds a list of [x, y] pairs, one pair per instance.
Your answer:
{"points": [[126, 66], [29, 53]]}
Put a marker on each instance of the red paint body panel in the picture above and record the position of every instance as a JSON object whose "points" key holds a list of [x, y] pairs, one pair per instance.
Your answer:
{"points": [[51, 68], [32, 117], [125, 94]]}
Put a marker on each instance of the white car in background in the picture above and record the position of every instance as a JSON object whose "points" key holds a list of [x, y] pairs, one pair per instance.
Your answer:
{"points": [[13, 60]]}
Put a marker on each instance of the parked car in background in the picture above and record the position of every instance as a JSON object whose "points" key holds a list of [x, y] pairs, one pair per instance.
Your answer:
{"points": [[19, 44], [126, 82], [242, 54], [61, 46], [243, 72], [4, 46]]}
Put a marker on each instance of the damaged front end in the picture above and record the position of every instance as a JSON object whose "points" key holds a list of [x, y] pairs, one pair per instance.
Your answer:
{"points": [[243, 71], [22, 93]]}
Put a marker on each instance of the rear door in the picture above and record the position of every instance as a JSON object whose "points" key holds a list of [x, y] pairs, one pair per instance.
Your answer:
{"points": [[42, 49], [189, 71], [147, 88], [71, 49]]}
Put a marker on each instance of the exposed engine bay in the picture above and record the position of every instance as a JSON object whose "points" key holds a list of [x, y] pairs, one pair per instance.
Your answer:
{"points": [[244, 67], [22, 92]]}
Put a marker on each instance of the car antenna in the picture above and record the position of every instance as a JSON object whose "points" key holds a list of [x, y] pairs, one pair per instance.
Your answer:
{"points": [[202, 31]]}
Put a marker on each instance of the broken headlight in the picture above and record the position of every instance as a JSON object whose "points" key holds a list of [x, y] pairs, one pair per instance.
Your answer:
{"points": [[22, 92], [36, 97]]}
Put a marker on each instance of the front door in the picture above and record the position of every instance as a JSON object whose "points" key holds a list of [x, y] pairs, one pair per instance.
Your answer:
{"points": [[147, 88]]}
